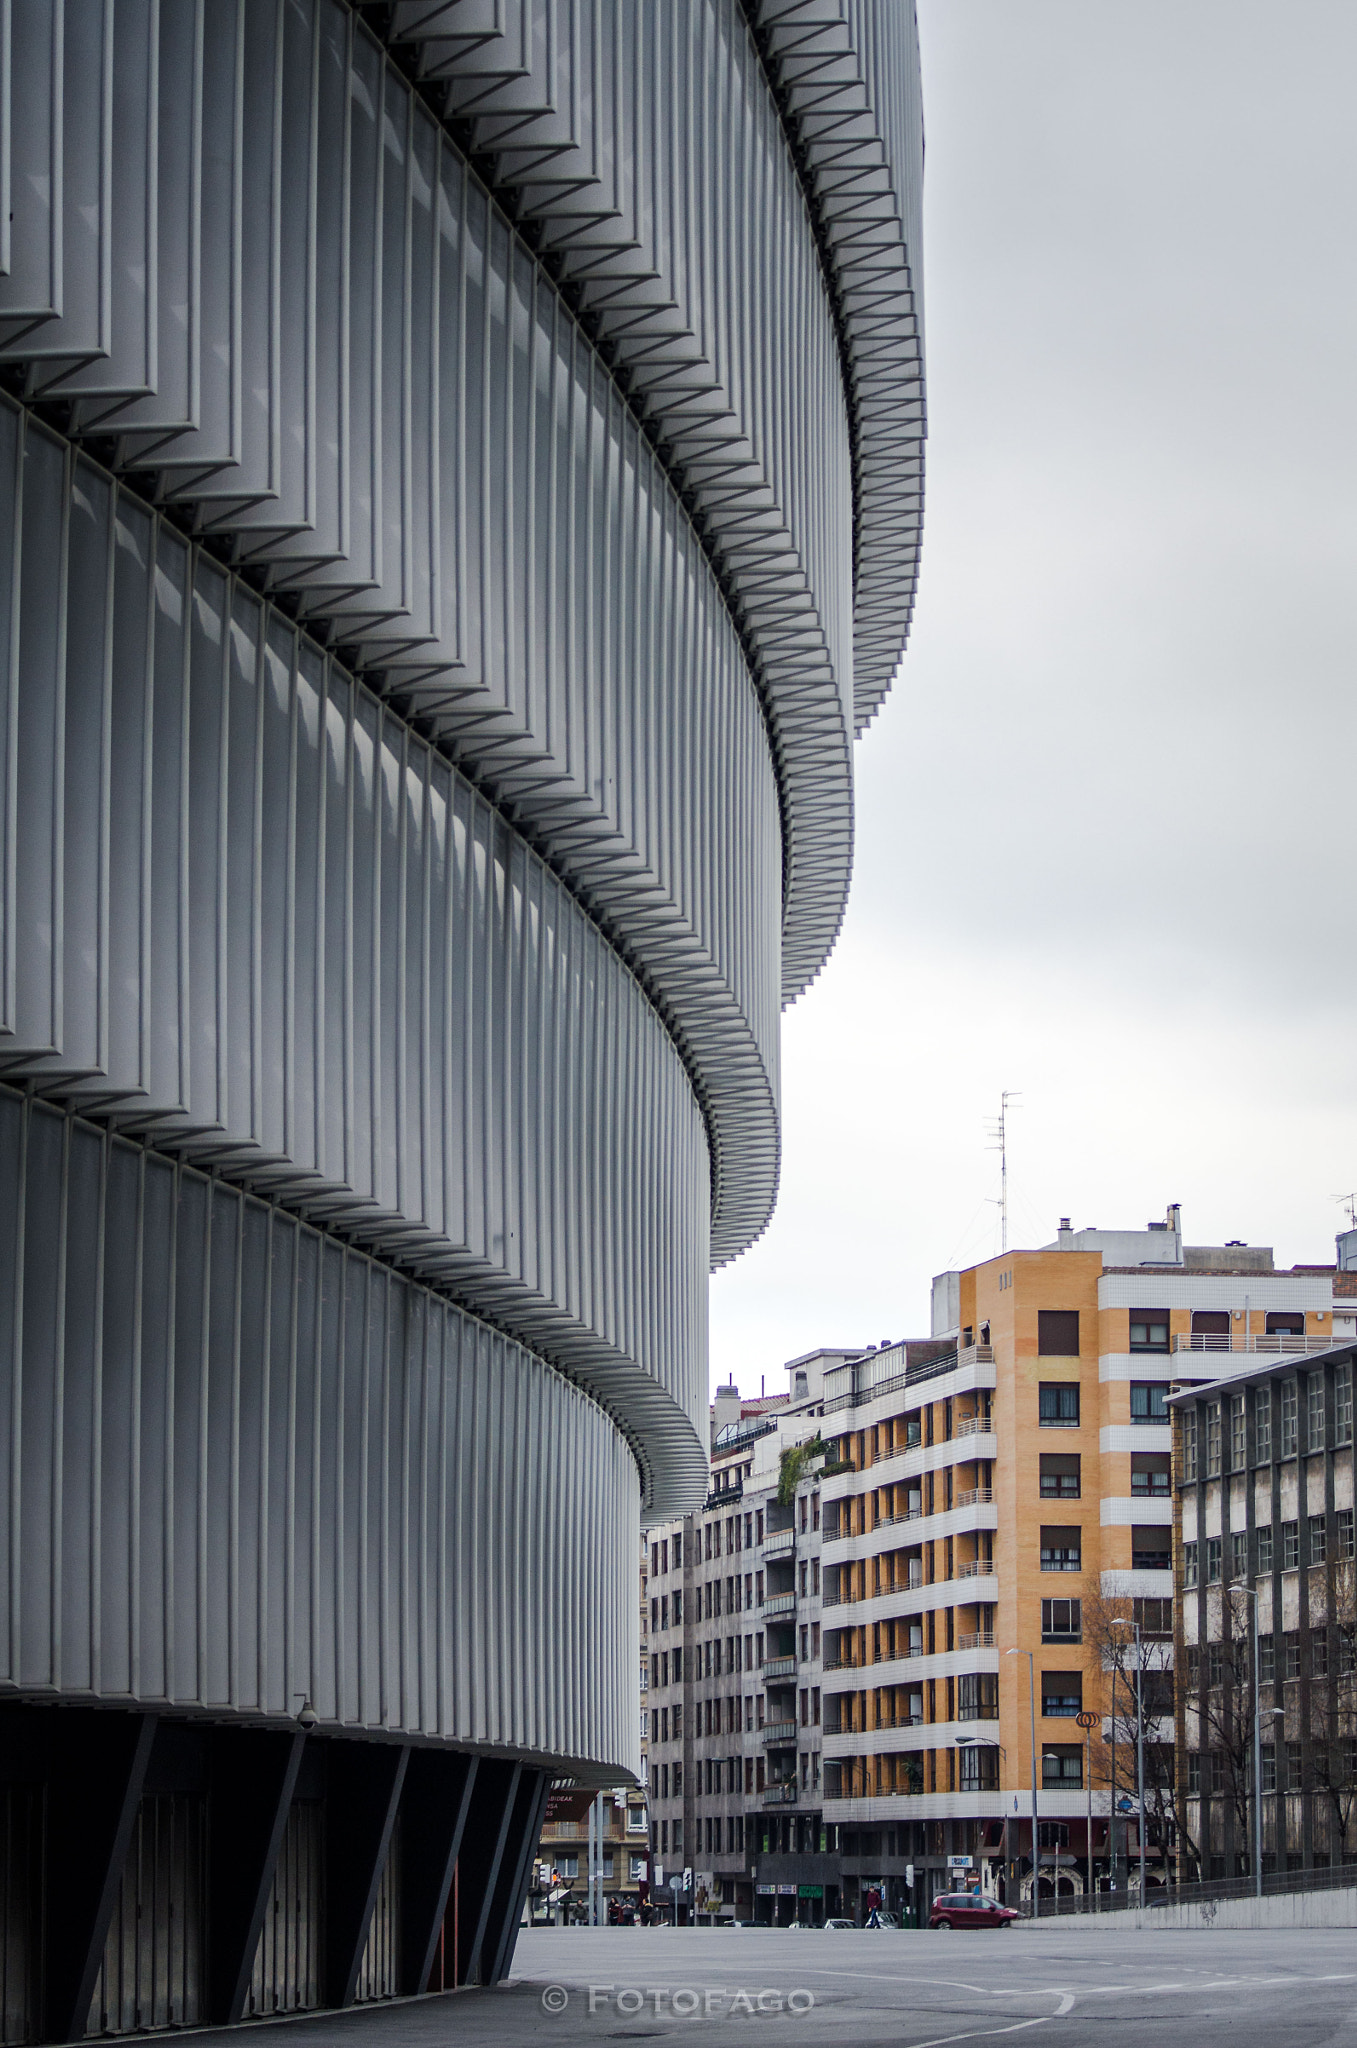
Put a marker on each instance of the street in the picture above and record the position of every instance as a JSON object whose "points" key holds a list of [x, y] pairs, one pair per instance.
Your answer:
{"points": [[1072, 1987]]}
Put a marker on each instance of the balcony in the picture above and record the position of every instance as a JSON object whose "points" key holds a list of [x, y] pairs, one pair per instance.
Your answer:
{"points": [[778, 1667], [977, 1639], [779, 1543], [778, 1734], [976, 1568], [975, 1497], [778, 1603], [1276, 1346], [973, 1425], [780, 1795]]}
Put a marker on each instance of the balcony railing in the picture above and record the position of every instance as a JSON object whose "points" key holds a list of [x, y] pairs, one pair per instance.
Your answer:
{"points": [[778, 1541], [976, 1568], [973, 1425], [778, 1734], [780, 1795], [778, 1667], [975, 1497], [869, 1389], [779, 1603], [1272, 1345], [976, 1639]]}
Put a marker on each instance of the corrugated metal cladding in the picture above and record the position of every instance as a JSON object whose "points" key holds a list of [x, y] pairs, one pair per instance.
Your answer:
{"points": [[427, 681], [358, 379], [248, 909], [242, 1463]]}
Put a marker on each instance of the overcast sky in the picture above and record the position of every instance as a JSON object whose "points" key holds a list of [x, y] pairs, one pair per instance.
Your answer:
{"points": [[1106, 821]]}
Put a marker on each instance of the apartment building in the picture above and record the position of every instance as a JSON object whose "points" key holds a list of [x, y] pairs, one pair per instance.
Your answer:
{"points": [[1264, 1459], [844, 1691]]}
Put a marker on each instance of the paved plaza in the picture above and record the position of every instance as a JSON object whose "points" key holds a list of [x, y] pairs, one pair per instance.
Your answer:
{"points": [[1071, 1987]]}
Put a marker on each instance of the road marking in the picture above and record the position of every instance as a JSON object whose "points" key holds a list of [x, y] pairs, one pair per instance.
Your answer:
{"points": [[981, 2033]]}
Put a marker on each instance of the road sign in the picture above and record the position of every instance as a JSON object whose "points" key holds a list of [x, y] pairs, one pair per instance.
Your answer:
{"points": [[1087, 1720]]}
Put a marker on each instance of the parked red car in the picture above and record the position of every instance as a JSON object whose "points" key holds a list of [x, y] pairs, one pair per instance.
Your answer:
{"points": [[970, 1909]]}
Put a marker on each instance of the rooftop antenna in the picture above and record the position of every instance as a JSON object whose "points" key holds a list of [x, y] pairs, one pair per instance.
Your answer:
{"points": [[998, 1131], [1348, 1202]]}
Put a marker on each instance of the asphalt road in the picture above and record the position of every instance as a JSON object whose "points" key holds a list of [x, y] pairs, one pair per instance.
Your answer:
{"points": [[1207, 1989]]}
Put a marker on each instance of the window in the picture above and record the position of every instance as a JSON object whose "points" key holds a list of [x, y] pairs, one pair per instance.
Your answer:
{"points": [[1063, 1766], [977, 1697], [1155, 1618], [1150, 1474], [1294, 1779], [1215, 1663], [1285, 1322], [1149, 1329], [1210, 1329], [1238, 1446], [1151, 1550], [1267, 1660], [1291, 1649], [676, 1549], [1194, 1772], [1217, 1770], [1194, 1667], [1262, 1425], [1213, 1439], [1342, 1402], [1213, 1560], [1061, 1621], [1319, 1653], [1058, 1332], [1189, 1443], [1290, 1546], [1343, 1546], [1287, 1446], [1058, 1404], [1269, 1763], [1147, 1401], [1265, 1549], [1059, 1475], [1318, 1545], [1239, 1554], [913, 1435], [1062, 1694], [1314, 1411], [1189, 1564], [980, 1768], [567, 1866], [1060, 1550]]}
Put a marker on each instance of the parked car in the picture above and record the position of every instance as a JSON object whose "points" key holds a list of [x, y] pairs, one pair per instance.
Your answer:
{"points": [[850, 1924], [882, 1919], [970, 1909]]}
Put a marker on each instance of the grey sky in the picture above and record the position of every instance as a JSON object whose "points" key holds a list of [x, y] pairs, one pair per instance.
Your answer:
{"points": [[1104, 835]]}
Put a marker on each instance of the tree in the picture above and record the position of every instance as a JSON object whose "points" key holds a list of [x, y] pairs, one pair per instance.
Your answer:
{"points": [[793, 1466], [1333, 1695], [1107, 1627]]}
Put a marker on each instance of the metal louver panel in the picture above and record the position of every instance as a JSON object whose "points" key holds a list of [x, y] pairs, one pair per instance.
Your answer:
{"points": [[847, 72], [250, 267], [643, 150], [248, 912], [240, 1462]]}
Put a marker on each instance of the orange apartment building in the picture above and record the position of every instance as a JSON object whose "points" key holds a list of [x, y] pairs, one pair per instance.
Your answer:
{"points": [[1007, 1498]]}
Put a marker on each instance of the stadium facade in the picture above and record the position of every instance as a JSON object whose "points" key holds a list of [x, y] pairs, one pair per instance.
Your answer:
{"points": [[460, 481]]}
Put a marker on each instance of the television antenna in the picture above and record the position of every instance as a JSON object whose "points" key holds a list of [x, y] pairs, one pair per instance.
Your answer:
{"points": [[998, 1131], [1348, 1202]]}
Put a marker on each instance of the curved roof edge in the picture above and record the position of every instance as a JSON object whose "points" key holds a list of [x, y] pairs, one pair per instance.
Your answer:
{"points": [[845, 74], [514, 104]]}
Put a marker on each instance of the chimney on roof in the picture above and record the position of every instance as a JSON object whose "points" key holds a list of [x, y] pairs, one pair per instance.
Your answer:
{"points": [[1174, 1216], [1065, 1236]]}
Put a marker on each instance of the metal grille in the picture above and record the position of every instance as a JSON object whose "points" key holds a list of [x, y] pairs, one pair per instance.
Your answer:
{"points": [[20, 1890], [287, 1963], [152, 1970], [377, 1971]]}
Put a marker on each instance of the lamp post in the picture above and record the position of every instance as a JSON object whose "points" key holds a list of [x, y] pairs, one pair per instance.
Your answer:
{"points": [[1088, 1722], [1140, 1743], [1032, 1706], [1277, 1713]]}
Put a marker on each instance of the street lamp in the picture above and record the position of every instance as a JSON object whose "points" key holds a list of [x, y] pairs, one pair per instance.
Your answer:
{"points": [[1278, 1713], [1032, 1706], [1140, 1743]]}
